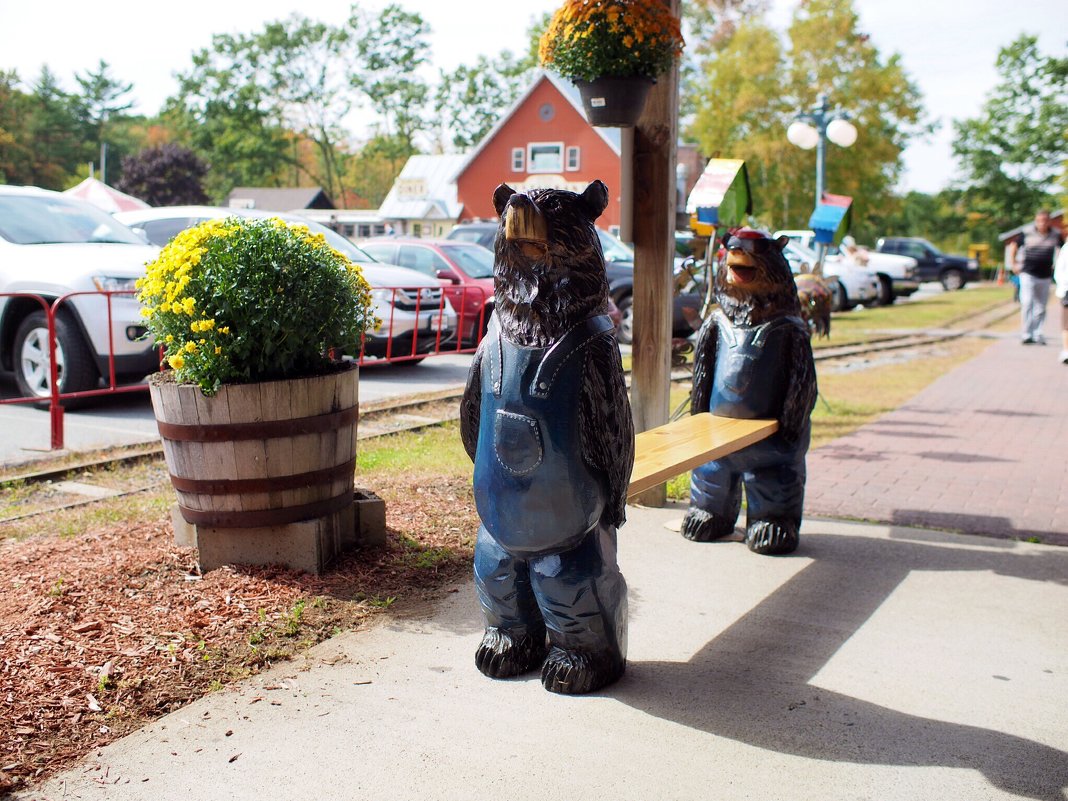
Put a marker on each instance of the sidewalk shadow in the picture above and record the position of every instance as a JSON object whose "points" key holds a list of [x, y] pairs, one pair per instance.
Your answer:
{"points": [[992, 526], [751, 683]]}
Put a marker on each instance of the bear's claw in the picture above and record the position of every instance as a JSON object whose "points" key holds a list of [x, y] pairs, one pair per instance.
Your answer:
{"points": [[502, 655], [575, 672], [772, 538], [702, 526]]}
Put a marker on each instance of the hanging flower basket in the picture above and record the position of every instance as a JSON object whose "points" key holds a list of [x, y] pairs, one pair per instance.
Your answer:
{"points": [[613, 50], [614, 102]]}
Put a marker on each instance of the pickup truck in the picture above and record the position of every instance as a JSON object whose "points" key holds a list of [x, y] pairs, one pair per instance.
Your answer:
{"points": [[933, 265], [898, 275]]}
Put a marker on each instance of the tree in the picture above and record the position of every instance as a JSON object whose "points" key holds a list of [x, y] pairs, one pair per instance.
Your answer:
{"points": [[1013, 152], [58, 139], [470, 100], [373, 170], [305, 73], [389, 50], [16, 153], [168, 175], [102, 97], [754, 86], [224, 112]]}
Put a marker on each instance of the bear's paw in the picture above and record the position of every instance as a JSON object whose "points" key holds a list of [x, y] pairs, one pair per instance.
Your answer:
{"points": [[576, 672], [502, 655], [702, 526], [772, 537]]}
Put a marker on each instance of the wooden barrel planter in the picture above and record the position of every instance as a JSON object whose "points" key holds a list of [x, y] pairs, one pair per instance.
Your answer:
{"points": [[264, 472]]}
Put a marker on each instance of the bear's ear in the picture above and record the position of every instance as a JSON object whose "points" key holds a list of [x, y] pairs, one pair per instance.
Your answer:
{"points": [[500, 197], [595, 199], [781, 241]]}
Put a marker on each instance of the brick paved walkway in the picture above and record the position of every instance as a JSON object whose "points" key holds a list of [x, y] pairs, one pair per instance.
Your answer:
{"points": [[982, 450]]}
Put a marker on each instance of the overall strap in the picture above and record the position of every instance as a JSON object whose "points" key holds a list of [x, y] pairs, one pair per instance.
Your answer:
{"points": [[572, 342]]}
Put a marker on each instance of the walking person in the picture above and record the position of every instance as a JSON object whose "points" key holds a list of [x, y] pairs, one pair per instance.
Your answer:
{"points": [[1038, 249], [1060, 278]]}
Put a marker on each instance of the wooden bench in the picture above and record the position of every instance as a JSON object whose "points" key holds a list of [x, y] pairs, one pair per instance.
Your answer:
{"points": [[682, 445]]}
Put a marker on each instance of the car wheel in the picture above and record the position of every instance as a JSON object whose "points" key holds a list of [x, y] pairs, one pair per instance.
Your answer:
{"points": [[841, 298], [886, 291], [625, 332], [952, 280], [75, 369]]}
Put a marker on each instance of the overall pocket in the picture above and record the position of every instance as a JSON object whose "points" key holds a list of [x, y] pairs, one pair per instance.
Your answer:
{"points": [[517, 442]]}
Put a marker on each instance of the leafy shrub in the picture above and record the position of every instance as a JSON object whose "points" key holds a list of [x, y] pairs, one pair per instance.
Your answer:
{"points": [[242, 300]]}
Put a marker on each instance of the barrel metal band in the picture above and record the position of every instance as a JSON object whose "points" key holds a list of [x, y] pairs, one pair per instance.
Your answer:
{"points": [[257, 518], [265, 429], [233, 486]]}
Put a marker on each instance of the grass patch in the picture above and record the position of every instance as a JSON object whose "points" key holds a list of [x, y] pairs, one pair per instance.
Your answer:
{"points": [[863, 325], [438, 448]]}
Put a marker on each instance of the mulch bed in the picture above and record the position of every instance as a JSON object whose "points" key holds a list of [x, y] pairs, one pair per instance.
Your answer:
{"points": [[105, 631]]}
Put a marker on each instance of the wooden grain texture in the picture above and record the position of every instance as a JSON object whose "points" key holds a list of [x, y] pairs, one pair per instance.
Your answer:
{"points": [[272, 457], [654, 160], [668, 450]]}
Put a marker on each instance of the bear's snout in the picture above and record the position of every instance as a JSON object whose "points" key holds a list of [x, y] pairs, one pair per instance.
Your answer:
{"points": [[523, 221]]}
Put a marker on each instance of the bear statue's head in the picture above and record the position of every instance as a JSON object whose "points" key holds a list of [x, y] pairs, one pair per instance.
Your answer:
{"points": [[548, 265], [753, 282]]}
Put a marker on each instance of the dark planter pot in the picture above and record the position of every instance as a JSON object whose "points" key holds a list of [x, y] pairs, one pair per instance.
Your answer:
{"points": [[613, 102]]}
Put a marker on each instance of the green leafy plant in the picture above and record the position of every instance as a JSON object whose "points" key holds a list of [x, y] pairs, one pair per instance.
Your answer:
{"points": [[242, 300], [588, 39]]}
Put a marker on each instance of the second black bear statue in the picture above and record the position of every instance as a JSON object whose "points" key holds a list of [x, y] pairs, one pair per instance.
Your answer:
{"points": [[753, 359], [546, 420]]}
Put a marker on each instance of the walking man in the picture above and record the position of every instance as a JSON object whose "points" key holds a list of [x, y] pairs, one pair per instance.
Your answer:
{"points": [[1038, 249]]}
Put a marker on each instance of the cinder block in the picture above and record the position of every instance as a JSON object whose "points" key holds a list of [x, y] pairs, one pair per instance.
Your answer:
{"points": [[309, 545], [370, 528]]}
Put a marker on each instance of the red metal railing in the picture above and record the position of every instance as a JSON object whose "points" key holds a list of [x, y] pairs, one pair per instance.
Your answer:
{"points": [[437, 329]]}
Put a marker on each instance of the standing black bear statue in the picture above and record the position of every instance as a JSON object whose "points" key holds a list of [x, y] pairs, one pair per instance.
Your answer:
{"points": [[753, 359], [546, 420]]}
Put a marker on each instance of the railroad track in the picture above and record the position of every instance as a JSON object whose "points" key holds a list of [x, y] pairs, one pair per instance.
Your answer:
{"points": [[72, 484]]}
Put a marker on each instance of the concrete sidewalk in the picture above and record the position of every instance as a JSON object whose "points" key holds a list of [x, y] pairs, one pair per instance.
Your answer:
{"points": [[876, 663]]}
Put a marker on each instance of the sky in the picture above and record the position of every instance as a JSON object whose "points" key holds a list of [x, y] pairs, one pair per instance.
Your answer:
{"points": [[947, 47]]}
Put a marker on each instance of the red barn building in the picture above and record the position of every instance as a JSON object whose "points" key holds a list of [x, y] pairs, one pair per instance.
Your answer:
{"points": [[544, 140]]}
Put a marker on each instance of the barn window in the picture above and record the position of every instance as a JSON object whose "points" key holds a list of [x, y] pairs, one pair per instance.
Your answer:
{"points": [[545, 157]]}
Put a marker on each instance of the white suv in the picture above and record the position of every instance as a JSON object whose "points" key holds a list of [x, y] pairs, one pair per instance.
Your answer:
{"points": [[409, 303], [52, 245], [898, 275]]}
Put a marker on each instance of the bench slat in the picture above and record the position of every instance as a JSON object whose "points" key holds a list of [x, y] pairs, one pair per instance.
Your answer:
{"points": [[681, 445]]}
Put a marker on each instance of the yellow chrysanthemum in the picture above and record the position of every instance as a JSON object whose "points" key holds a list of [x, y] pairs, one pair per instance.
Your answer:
{"points": [[176, 361]]}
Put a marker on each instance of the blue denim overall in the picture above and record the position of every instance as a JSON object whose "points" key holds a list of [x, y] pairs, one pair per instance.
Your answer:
{"points": [[750, 382], [543, 552]]}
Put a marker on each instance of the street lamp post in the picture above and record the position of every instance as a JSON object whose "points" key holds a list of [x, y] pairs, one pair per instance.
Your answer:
{"points": [[813, 128]]}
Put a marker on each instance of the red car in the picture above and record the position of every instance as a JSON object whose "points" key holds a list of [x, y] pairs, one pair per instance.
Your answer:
{"points": [[467, 267], [464, 269]]}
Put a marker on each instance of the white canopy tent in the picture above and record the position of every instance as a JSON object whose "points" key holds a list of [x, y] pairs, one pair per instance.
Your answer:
{"points": [[105, 197]]}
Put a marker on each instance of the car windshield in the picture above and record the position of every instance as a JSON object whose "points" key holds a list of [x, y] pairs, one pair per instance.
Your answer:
{"points": [[614, 250], [46, 220], [474, 260]]}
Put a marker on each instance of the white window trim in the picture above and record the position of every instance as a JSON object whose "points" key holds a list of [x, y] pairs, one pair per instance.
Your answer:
{"points": [[518, 159], [572, 151], [530, 161]]}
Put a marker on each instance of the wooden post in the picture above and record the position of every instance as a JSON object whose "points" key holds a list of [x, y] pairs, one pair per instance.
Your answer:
{"points": [[655, 139]]}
